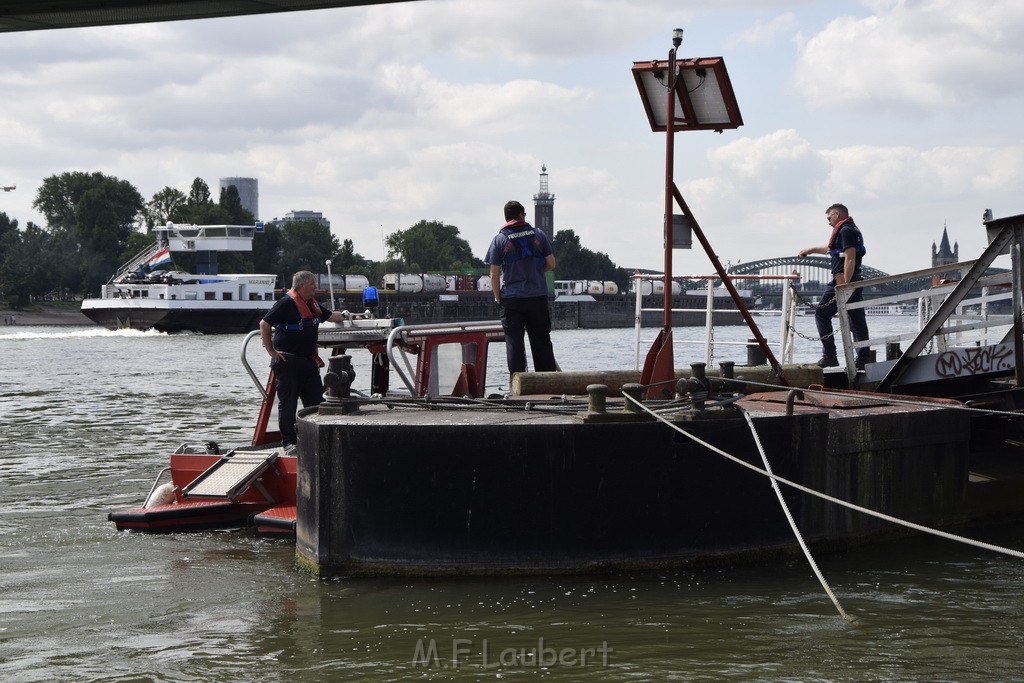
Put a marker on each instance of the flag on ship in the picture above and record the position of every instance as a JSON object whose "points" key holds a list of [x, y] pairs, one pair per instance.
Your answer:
{"points": [[160, 258]]}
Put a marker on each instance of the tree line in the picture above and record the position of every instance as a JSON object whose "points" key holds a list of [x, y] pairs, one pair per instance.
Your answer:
{"points": [[95, 222]]}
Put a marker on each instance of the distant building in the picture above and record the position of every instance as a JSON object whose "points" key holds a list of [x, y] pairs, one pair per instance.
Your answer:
{"points": [[544, 207], [943, 255], [293, 216], [248, 193]]}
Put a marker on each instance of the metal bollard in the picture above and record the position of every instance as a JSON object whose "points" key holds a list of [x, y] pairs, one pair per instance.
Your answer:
{"points": [[728, 369], [598, 395], [635, 392], [698, 385], [755, 354], [338, 381]]}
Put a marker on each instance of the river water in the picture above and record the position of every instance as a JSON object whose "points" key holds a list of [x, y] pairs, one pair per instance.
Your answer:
{"points": [[87, 417]]}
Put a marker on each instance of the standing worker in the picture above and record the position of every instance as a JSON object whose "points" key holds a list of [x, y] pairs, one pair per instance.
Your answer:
{"points": [[846, 248], [293, 320], [519, 256]]}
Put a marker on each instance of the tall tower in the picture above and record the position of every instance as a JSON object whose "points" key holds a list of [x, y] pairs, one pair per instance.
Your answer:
{"points": [[248, 193], [942, 254], [544, 207]]}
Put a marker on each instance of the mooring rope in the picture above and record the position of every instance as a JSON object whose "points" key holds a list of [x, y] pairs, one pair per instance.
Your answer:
{"points": [[792, 523], [832, 499]]}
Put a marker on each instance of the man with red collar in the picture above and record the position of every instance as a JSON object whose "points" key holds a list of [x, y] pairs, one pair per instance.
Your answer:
{"points": [[519, 255], [293, 322], [846, 248]]}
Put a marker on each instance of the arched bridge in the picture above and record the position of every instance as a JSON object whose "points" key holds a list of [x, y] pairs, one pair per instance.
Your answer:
{"points": [[812, 269]]}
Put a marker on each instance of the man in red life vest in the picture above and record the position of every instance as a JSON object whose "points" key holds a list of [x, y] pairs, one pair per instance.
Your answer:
{"points": [[845, 247], [519, 256], [293, 322]]}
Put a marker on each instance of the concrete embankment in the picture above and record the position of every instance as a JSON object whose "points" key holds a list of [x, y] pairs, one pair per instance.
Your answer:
{"points": [[44, 314]]}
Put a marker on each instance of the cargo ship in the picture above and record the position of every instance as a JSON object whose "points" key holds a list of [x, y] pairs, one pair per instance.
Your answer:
{"points": [[142, 295]]}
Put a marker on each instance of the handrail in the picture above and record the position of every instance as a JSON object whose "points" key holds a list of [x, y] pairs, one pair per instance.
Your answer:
{"points": [[248, 368], [953, 297], [426, 330], [785, 344], [135, 261]]}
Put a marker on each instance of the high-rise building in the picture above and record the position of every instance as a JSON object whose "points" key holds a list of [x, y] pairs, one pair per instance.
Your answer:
{"points": [[248, 193], [544, 207]]}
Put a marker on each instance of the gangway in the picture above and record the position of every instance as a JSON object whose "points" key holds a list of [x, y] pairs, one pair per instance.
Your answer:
{"points": [[956, 325], [232, 475]]}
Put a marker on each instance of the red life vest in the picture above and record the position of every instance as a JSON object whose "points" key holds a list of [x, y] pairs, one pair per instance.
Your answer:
{"points": [[310, 314], [304, 310]]}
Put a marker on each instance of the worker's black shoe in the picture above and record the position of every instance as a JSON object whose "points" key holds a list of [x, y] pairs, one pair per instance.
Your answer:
{"points": [[828, 362]]}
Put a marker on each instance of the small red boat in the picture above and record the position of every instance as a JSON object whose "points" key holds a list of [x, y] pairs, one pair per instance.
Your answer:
{"points": [[254, 486]]}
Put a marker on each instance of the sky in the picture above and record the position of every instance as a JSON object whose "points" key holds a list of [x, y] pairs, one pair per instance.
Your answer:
{"points": [[906, 111]]}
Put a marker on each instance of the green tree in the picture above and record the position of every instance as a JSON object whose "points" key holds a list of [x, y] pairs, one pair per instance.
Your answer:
{"points": [[24, 264], [10, 242], [163, 205], [96, 213], [576, 262], [267, 250], [199, 193], [306, 245], [8, 230], [232, 204], [432, 247], [199, 207], [348, 258]]}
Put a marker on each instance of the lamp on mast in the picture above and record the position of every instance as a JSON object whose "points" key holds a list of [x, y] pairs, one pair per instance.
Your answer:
{"points": [[330, 283]]}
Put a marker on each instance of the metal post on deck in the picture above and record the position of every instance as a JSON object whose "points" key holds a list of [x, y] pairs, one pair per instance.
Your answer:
{"points": [[330, 283], [1018, 327], [785, 320], [709, 322], [638, 283]]}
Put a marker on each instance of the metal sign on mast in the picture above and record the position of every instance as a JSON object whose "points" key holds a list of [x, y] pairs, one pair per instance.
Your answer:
{"points": [[683, 95]]}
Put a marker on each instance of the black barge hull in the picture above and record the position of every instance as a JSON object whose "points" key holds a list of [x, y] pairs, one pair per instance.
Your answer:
{"points": [[202, 320], [427, 491]]}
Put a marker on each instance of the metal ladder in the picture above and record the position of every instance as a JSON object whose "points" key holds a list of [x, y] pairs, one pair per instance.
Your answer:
{"points": [[232, 475]]}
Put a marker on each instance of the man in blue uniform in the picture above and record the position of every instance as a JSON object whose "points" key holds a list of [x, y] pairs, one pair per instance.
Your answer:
{"points": [[519, 256], [846, 248], [289, 333]]}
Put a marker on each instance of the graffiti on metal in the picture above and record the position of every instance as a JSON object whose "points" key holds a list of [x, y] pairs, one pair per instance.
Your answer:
{"points": [[974, 361]]}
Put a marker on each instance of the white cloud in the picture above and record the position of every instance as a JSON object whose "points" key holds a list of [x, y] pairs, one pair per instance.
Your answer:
{"points": [[764, 33], [905, 174], [916, 56]]}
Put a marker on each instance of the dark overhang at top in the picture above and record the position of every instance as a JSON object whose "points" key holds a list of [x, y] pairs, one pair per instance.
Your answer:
{"points": [[37, 15]]}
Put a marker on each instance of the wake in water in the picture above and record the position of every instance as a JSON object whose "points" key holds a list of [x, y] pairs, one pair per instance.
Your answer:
{"points": [[77, 333]]}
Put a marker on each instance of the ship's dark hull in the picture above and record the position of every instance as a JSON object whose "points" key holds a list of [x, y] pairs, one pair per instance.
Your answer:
{"points": [[205, 320]]}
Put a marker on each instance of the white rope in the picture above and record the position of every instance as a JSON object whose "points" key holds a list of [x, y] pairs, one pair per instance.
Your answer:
{"points": [[824, 496], [792, 523]]}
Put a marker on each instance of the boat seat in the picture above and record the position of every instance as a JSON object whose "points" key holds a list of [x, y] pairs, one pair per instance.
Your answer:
{"points": [[232, 475]]}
